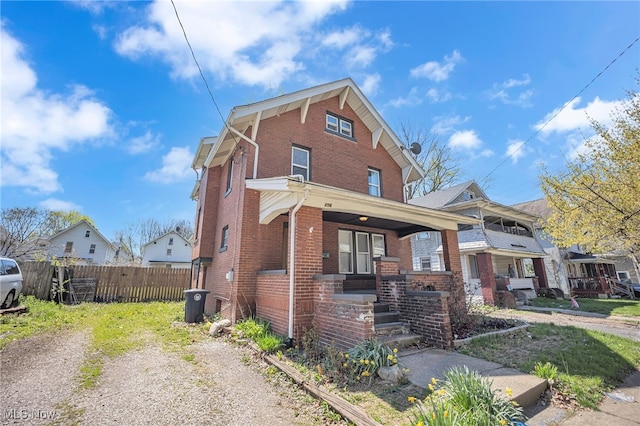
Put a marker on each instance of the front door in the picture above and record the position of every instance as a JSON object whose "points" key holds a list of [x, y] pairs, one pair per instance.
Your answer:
{"points": [[357, 249]]}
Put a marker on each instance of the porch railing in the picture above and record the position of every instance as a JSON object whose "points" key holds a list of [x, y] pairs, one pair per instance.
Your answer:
{"points": [[589, 286]]}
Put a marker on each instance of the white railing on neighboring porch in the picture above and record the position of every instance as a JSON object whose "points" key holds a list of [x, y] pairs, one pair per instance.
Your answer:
{"points": [[521, 283]]}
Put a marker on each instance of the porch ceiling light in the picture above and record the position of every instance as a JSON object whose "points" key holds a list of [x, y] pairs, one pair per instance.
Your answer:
{"points": [[363, 218]]}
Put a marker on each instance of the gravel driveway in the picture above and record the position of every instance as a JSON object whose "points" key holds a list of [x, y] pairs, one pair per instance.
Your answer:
{"points": [[225, 384]]}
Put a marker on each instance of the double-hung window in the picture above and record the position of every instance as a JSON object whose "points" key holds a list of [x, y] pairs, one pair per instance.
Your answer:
{"points": [[301, 162], [224, 241], [374, 182], [339, 125]]}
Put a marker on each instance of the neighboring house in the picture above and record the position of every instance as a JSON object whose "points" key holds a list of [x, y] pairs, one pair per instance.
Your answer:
{"points": [[82, 244], [170, 250], [301, 216], [498, 253], [571, 269]]}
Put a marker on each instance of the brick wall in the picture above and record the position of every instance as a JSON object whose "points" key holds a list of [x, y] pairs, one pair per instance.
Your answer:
{"points": [[341, 321], [308, 262], [335, 160], [272, 300]]}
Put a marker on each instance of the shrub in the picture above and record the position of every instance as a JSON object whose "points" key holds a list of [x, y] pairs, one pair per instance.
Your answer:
{"points": [[368, 356], [465, 399]]}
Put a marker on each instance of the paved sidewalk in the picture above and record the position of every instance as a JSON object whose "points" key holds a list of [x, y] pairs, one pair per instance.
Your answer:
{"points": [[430, 363]]}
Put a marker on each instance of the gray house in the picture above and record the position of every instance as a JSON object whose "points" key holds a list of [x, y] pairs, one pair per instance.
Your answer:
{"points": [[500, 253]]}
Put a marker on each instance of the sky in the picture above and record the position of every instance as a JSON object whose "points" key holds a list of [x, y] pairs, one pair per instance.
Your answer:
{"points": [[103, 107]]}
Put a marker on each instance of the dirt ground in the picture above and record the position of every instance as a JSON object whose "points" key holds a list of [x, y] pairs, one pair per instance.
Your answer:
{"points": [[224, 385]]}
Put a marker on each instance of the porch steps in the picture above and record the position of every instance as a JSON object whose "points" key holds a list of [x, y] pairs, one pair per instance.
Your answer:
{"points": [[390, 330]]}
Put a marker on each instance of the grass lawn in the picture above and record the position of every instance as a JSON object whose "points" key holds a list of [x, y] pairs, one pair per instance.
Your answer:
{"points": [[589, 363], [621, 307], [114, 328]]}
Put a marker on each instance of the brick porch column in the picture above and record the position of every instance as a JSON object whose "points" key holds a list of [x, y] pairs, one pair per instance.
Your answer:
{"points": [[308, 262], [541, 273], [487, 278], [453, 263]]}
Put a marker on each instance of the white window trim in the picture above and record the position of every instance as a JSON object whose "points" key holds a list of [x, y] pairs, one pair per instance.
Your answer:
{"points": [[363, 267], [342, 126], [306, 167], [373, 185], [340, 251]]}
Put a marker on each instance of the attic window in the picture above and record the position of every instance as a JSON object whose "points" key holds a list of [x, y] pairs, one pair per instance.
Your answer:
{"points": [[468, 195], [87, 234], [339, 125]]}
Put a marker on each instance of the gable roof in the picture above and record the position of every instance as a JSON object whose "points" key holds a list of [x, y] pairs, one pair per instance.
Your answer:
{"points": [[536, 207], [93, 228], [242, 117], [168, 233], [443, 197]]}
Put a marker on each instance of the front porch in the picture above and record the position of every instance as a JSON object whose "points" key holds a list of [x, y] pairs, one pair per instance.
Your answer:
{"points": [[342, 315]]}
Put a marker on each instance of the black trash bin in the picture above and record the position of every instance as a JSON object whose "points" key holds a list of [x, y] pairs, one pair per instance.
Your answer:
{"points": [[194, 304]]}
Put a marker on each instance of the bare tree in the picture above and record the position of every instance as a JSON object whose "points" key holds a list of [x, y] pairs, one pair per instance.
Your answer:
{"points": [[131, 240], [436, 158], [21, 231]]}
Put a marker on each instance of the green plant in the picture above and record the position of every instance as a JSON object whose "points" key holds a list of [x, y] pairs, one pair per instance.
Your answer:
{"points": [[253, 328], [368, 356], [269, 343], [546, 371], [465, 399]]}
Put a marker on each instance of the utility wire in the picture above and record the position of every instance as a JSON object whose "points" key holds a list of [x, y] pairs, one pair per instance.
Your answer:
{"points": [[563, 107], [193, 55]]}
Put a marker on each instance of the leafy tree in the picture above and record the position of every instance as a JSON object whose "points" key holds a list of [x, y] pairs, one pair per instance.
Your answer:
{"points": [[436, 158], [20, 231], [60, 220], [130, 240], [596, 201]]}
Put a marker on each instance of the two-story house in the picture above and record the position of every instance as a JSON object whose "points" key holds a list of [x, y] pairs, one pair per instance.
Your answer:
{"points": [[498, 253], [301, 214], [82, 244], [170, 250], [571, 269]]}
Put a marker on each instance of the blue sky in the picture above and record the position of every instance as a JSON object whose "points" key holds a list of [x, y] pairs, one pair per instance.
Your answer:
{"points": [[103, 107]]}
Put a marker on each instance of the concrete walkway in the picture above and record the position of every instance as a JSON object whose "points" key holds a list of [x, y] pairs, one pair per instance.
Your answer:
{"points": [[430, 363], [621, 407]]}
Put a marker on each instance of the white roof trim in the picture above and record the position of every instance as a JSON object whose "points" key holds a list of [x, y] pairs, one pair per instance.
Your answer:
{"points": [[278, 195]]}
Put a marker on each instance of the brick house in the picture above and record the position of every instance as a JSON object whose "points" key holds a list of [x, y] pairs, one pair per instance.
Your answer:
{"points": [[301, 220]]}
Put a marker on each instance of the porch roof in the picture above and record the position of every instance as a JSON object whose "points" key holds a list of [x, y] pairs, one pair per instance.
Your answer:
{"points": [[573, 257], [278, 195]]}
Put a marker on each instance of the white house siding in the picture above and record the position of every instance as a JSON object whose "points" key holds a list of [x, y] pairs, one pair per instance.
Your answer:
{"points": [[155, 252], [81, 245]]}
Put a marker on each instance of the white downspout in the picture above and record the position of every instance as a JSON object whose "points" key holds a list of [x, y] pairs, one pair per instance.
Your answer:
{"points": [[292, 252]]}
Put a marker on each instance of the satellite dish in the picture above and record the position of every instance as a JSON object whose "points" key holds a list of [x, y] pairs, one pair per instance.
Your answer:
{"points": [[416, 148]]}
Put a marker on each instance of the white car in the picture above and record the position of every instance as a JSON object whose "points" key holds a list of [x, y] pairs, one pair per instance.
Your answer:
{"points": [[10, 282]]}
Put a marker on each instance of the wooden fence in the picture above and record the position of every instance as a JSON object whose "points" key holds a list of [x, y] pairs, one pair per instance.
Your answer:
{"points": [[113, 283]]}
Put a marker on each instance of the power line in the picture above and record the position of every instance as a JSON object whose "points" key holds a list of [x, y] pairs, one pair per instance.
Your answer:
{"points": [[193, 55], [563, 107]]}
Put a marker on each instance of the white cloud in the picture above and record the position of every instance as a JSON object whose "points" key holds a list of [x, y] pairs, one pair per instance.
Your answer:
{"points": [[486, 153], [436, 71], [371, 84], [465, 139], [143, 143], [35, 123], [572, 118], [447, 124], [515, 150], [59, 205], [176, 166], [260, 43], [436, 96], [504, 92], [345, 37], [412, 99], [360, 56]]}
